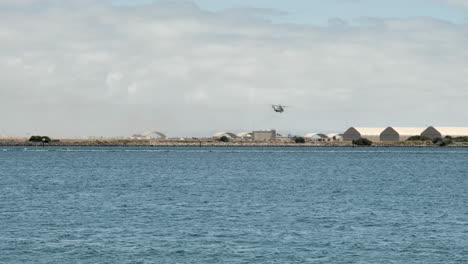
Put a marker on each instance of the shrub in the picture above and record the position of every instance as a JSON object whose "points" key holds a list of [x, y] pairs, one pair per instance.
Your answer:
{"points": [[45, 139], [362, 142], [461, 139], [224, 139], [35, 139], [419, 138], [448, 139], [442, 142], [299, 140]]}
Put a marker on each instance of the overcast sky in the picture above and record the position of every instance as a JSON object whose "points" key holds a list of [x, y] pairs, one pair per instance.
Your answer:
{"points": [[79, 68]]}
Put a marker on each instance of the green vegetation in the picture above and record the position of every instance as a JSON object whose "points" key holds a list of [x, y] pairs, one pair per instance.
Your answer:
{"points": [[460, 139], [442, 142], [224, 139], [419, 138], [299, 140], [44, 139], [362, 142]]}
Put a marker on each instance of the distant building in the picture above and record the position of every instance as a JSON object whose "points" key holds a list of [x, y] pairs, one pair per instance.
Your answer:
{"points": [[335, 137], [149, 135], [227, 134], [440, 132], [316, 137], [400, 133], [245, 135], [371, 133], [264, 135]]}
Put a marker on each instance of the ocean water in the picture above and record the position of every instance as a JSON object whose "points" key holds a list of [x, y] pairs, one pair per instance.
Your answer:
{"points": [[233, 205]]}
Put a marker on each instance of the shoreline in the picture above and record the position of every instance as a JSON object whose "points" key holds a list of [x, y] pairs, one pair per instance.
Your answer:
{"points": [[151, 143]]}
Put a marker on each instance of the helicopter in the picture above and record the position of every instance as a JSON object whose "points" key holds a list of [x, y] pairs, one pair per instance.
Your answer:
{"points": [[278, 108]]}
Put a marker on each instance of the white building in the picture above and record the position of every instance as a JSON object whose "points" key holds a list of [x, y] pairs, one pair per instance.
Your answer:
{"points": [[316, 137]]}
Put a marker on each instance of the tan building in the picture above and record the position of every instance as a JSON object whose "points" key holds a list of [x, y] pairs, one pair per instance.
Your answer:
{"points": [[371, 133], [400, 133], [440, 132], [264, 135]]}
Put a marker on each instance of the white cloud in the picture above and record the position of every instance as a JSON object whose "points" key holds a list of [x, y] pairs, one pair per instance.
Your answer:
{"points": [[82, 68]]}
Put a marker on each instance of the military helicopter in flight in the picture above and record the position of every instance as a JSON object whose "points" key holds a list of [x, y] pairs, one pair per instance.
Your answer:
{"points": [[278, 108]]}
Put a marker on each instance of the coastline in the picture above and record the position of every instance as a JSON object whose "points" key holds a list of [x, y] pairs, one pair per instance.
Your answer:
{"points": [[210, 143]]}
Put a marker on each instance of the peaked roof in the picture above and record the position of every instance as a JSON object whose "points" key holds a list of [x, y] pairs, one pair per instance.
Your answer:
{"points": [[453, 131], [408, 131]]}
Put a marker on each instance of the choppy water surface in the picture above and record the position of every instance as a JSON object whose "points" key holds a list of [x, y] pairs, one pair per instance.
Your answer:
{"points": [[233, 205]]}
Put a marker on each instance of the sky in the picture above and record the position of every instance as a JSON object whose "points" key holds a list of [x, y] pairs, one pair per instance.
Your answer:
{"points": [[320, 11], [82, 68]]}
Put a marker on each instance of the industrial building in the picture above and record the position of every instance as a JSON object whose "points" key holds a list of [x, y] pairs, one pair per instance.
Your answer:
{"points": [[440, 132], [316, 137], [400, 133], [255, 135], [323, 137], [264, 135], [227, 134], [335, 137], [245, 135], [371, 133]]}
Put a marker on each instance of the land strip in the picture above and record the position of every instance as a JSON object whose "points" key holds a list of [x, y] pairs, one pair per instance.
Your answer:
{"points": [[203, 143]]}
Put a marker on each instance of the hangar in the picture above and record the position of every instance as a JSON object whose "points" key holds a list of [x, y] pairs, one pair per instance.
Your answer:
{"points": [[440, 132], [149, 134], [335, 137], [400, 133], [228, 134], [245, 135], [316, 137], [371, 133]]}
